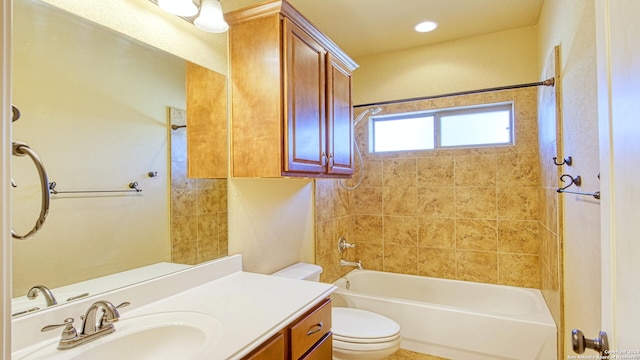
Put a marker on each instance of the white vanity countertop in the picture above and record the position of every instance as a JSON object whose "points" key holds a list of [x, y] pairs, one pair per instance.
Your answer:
{"points": [[250, 307]]}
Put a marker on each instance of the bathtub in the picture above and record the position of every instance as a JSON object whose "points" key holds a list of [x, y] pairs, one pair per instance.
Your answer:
{"points": [[455, 319]]}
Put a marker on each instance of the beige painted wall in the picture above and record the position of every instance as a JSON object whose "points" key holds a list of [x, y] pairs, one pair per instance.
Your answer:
{"points": [[497, 59], [146, 22], [271, 222], [96, 112], [571, 24]]}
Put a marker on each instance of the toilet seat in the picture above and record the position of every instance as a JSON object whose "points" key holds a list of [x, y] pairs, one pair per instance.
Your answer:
{"points": [[357, 326]]}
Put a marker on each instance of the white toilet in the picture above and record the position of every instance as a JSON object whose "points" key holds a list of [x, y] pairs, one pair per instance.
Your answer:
{"points": [[357, 334]]}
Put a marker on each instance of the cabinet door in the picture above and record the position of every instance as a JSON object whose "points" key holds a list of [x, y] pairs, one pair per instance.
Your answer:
{"points": [[304, 101], [272, 349], [339, 118], [207, 144]]}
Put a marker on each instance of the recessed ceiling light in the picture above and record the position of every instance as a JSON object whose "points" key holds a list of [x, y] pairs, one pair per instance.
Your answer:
{"points": [[426, 26]]}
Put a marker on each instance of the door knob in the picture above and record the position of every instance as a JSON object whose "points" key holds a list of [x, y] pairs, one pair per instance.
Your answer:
{"points": [[580, 343]]}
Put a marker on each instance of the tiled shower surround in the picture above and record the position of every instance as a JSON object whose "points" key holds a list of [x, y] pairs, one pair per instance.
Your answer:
{"points": [[198, 207], [468, 214]]}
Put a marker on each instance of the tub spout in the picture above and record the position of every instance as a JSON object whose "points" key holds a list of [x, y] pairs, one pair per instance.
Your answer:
{"points": [[357, 264]]}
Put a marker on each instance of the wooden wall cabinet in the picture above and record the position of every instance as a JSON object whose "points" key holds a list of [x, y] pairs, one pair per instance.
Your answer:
{"points": [[291, 103], [307, 338], [207, 123]]}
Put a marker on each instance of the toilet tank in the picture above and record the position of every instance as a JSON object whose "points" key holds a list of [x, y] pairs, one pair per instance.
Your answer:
{"points": [[301, 271]]}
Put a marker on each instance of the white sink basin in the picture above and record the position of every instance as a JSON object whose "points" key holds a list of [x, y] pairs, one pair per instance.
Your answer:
{"points": [[159, 336]]}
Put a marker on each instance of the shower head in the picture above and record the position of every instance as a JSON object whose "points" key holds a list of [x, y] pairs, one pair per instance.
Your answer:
{"points": [[371, 111]]}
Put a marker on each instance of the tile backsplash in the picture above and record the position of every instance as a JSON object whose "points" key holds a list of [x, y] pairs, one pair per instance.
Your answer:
{"points": [[467, 214]]}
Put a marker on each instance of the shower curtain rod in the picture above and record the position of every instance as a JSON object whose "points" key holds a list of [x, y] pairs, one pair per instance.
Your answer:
{"points": [[548, 82]]}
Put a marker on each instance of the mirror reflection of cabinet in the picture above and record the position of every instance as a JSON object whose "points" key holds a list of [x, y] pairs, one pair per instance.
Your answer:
{"points": [[291, 96], [206, 123]]}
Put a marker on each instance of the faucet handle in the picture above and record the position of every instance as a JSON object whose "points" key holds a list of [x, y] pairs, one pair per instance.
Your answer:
{"points": [[126, 303], [69, 331], [104, 319], [343, 244]]}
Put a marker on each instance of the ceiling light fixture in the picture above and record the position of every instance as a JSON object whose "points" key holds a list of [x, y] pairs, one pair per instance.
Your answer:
{"points": [[179, 7], [426, 26], [211, 18]]}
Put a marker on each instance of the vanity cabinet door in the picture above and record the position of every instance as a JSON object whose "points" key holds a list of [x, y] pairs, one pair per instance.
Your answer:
{"points": [[272, 349], [304, 101]]}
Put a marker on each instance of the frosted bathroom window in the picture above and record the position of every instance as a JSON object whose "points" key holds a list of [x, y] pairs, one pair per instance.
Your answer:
{"points": [[483, 125], [477, 126], [395, 134]]}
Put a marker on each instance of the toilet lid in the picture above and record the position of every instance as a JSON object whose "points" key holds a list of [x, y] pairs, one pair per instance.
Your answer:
{"points": [[349, 324]]}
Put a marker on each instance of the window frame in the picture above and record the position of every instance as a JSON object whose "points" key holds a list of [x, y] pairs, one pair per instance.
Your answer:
{"points": [[437, 114]]}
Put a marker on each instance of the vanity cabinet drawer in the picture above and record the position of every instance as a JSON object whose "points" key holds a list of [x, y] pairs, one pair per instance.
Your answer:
{"points": [[321, 351], [310, 329]]}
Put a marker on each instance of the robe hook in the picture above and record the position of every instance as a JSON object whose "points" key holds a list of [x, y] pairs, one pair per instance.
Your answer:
{"points": [[566, 161]]}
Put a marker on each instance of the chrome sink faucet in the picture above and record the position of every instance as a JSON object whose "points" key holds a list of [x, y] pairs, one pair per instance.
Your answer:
{"points": [[357, 264], [48, 295], [92, 326]]}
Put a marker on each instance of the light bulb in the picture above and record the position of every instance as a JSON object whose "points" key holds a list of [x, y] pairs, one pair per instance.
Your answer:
{"points": [[211, 18], [426, 26]]}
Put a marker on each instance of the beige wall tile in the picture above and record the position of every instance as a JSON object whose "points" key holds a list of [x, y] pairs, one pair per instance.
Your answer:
{"points": [[324, 204], [185, 253], [341, 202], [518, 170], [436, 233], [472, 234], [401, 259], [367, 229], [518, 203], [435, 171], [207, 226], [399, 201], [518, 237], [519, 270], [440, 263], [372, 173], [399, 173], [367, 201], [371, 255], [400, 230], [475, 202], [183, 202], [325, 234], [475, 170], [477, 266], [436, 202], [184, 229], [207, 249]]}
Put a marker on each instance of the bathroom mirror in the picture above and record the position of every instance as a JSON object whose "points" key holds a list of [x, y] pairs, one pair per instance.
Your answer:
{"points": [[96, 107]]}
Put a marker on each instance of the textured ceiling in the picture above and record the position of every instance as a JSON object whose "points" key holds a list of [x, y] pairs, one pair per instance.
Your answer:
{"points": [[367, 27]]}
